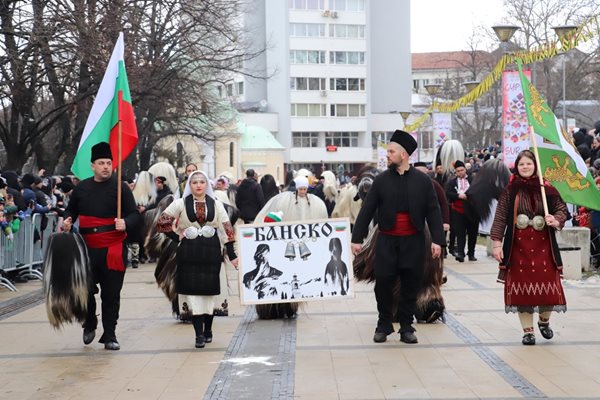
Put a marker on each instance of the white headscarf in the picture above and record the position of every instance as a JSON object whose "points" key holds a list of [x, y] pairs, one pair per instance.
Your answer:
{"points": [[301, 182], [188, 190]]}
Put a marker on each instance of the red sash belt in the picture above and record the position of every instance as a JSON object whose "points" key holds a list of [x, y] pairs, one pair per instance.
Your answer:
{"points": [[112, 240], [403, 226], [458, 206]]}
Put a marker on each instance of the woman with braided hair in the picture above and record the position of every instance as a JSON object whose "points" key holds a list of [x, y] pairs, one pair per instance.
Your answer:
{"points": [[524, 243]]}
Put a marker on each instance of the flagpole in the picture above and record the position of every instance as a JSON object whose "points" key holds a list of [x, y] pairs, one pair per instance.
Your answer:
{"points": [[539, 169], [119, 173]]}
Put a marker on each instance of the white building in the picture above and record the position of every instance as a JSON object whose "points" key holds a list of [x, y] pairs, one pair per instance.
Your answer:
{"points": [[339, 73]]}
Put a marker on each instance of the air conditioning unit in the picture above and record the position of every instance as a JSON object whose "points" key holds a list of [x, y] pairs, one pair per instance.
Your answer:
{"points": [[323, 93], [325, 13], [334, 14]]}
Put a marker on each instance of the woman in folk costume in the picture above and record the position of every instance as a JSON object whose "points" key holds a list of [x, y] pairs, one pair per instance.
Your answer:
{"points": [[530, 263], [203, 227], [298, 205]]}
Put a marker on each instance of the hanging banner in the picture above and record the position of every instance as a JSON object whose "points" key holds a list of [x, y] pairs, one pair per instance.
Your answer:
{"points": [[381, 155], [515, 136], [286, 262], [442, 128]]}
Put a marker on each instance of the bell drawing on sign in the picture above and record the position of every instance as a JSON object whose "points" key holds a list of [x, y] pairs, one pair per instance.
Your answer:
{"points": [[304, 251], [290, 251]]}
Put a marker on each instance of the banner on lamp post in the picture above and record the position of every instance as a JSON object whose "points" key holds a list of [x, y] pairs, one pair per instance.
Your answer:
{"points": [[442, 128], [515, 128]]}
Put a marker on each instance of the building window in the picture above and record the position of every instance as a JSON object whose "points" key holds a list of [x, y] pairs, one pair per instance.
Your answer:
{"points": [[220, 90], [347, 57], [231, 154], [306, 4], [229, 88], [308, 110], [347, 5], [307, 30], [240, 88], [347, 110], [347, 31], [383, 137], [307, 57], [307, 83], [341, 139], [305, 139], [343, 84]]}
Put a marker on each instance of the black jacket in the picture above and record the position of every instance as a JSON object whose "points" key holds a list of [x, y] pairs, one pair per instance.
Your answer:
{"points": [[423, 205], [249, 199]]}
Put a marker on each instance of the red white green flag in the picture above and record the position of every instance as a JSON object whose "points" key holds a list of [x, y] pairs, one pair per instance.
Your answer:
{"points": [[112, 104], [561, 164]]}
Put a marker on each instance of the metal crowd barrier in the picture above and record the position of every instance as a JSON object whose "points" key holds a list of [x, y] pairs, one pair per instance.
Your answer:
{"points": [[24, 252]]}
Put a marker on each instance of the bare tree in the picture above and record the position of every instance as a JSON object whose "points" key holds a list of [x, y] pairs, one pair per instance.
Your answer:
{"points": [[56, 52]]}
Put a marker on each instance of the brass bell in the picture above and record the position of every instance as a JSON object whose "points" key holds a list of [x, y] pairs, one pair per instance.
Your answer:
{"points": [[290, 251], [304, 251]]}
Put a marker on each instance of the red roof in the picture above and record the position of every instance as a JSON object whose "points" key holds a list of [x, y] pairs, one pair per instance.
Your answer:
{"points": [[449, 59]]}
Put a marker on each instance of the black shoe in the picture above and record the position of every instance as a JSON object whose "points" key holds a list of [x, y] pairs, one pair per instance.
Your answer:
{"points": [[200, 342], [134, 265], [460, 258], [379, 337], [112, 345], [408, 337], [444, 279], [207, 336], [528, 339], [546, 331], [88, 336], [472, 258]]}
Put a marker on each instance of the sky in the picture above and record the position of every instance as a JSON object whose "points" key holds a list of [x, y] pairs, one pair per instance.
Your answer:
{"points": [[446, 25]]}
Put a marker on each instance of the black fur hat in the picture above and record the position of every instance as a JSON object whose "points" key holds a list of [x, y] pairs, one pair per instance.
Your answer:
{"points": [[101, 150]]}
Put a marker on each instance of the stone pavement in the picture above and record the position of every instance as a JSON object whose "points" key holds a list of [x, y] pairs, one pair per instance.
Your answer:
{"points": [[326, 353]]}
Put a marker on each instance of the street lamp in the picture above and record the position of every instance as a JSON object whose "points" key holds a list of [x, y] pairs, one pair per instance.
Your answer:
{"points": [[564, 33], [405, 115], [470, 86], [504, 34], [432, 90]]}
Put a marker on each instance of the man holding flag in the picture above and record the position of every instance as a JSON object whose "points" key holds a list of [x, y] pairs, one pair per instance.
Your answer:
{"points": [[104, 205]]}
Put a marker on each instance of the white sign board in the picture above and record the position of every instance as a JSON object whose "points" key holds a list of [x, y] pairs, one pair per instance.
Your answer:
{"points": [[284, 262]]}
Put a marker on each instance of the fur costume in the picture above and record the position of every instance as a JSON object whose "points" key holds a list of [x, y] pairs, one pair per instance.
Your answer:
{"points": [[165, 169], [487, 185], [67, 279], [144, 191], [330, 186], [430, 303], [448, 152], [347, 206]]}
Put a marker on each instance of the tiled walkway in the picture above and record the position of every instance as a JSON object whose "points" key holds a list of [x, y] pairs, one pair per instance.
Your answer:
{"points": [[326, 353]]}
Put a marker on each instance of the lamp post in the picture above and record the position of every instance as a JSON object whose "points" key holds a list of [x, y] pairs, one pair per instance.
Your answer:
{"points": [[564, 33], [432, 90], [470, 86]]}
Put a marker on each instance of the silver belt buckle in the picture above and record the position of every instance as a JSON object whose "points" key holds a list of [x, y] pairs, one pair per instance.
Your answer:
{"points": [[207, 231], [191, 232], [522, 221], [538, 223]]}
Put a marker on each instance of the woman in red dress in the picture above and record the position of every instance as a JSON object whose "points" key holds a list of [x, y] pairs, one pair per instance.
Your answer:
{"points": [[530, 263]]}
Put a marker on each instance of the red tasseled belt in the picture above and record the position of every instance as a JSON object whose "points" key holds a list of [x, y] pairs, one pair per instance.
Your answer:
{"points": [[112, 240], [403, 226]]}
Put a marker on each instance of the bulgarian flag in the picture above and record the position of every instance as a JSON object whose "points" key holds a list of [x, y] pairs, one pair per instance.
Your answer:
{"points": [[561, 163], [112, 105]]}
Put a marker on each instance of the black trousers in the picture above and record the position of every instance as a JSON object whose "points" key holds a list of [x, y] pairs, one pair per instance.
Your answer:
{"points": [[110, 282], [398, 258], [464, 228]]}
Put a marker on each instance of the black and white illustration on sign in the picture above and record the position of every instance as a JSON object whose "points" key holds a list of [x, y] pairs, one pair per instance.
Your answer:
{"points": [[295, 261]]}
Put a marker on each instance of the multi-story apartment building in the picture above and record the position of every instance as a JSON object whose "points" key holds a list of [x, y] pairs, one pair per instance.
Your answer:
{"points": [[339, 73]]}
